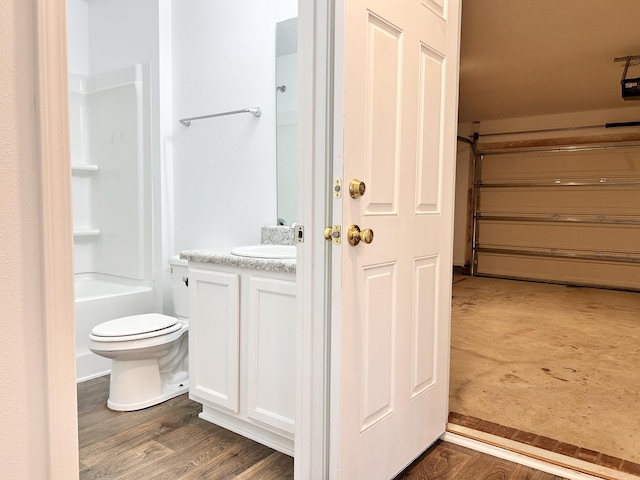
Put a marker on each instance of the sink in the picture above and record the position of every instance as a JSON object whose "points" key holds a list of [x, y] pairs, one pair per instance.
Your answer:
{"points": [[266, 251]]}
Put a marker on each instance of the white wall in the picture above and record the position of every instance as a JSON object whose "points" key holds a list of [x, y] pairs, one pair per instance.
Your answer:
{"points": [[22, 355], [122, 33], [630, 112], [225, 176], [78, 37], [287, 133]]}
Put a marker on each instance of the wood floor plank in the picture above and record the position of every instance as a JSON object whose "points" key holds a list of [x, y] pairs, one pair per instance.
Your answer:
{"points": [[143, 456], [93, 393], [198, 434], [526, 473], [232, 465], [447, 461], [486, 467], [93, 426], [105, 440], [442, 461], [217, 462], [277, 465]]}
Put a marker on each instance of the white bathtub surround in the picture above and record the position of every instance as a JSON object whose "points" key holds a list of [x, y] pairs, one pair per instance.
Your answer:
{"points": [[110, 128], [277, 234]]}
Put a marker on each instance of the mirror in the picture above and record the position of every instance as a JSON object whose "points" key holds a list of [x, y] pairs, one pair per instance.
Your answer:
{"points": [[286, 118]]}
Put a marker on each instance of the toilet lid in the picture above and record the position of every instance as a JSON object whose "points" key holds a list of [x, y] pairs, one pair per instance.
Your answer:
{"points": [[150, 324]]}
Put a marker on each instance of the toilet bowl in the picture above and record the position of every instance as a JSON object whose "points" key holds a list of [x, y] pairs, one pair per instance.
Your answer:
{"points": [[148, 352]]}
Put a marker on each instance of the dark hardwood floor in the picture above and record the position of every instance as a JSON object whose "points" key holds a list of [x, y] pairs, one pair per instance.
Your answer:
{"points": [[170, 441], [167, 441], [446, 461]]}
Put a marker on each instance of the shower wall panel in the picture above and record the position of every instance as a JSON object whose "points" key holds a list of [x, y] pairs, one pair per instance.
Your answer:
{"points": [[110, 129]]}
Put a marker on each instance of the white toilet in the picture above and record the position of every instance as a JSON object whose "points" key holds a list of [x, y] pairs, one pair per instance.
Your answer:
{"points": [[148, 352]]}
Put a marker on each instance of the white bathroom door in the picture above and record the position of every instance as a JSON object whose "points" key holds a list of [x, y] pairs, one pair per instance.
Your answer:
{"points": [[391, 310]]}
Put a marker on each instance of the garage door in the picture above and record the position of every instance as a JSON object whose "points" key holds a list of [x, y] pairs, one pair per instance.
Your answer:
{"points": [[569, 215]]}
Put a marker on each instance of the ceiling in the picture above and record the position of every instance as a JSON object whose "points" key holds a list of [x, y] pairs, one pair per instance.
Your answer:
{"points": [[524, 58]]}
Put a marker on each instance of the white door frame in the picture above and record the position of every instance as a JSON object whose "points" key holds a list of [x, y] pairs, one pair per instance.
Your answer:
{"points": [[57, 254], [315, 100]]}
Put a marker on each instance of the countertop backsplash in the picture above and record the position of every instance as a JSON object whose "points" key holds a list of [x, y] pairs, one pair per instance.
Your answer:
{"points": [[276, 235]]}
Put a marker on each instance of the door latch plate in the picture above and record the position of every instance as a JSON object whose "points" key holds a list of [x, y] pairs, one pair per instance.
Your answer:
{"points": [[337, 188]]}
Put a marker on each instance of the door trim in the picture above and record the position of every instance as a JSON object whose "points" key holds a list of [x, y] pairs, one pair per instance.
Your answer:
{"points": [[57, 254], [313, 277]]}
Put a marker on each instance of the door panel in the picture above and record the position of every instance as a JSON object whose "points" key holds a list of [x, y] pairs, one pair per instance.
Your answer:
{"points": [[377, 333], [430, 121], [437, 6], [425, 315], [382, 146], [391, 309]]}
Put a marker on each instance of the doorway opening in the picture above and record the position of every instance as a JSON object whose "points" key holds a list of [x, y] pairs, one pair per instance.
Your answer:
{"points": [[547, 219], [538, 359]]}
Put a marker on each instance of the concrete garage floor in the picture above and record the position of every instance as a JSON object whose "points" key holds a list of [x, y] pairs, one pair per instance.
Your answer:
{"points": [[560, 362]]}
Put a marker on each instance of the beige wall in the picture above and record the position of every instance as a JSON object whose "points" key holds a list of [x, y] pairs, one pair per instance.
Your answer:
{"points": [[22, 394]]}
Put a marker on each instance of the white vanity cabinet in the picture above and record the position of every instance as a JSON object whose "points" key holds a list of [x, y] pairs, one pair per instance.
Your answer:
{"points": [[242, 350]]}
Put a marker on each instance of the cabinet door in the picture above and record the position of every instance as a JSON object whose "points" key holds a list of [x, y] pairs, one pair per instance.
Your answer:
{"points": [[271, 345], [214, 338]]}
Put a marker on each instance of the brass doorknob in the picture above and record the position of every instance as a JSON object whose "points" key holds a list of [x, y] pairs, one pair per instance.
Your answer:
{"points": [[356, 188], [355, 235]]}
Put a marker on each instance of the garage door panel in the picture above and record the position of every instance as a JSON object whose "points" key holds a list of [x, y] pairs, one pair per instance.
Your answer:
{"points": [[561, 200], [592, 273], [566, 165], [587, 237]]}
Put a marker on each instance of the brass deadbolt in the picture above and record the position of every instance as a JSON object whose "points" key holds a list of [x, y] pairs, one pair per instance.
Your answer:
{"points": [[355, 235], [356, 188]]}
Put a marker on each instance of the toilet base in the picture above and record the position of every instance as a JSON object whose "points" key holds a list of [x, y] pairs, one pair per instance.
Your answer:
{"points": [[138, 384]]}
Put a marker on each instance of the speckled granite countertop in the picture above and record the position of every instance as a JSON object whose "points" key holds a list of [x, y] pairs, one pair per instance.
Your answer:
{"points": [[223, 256]]}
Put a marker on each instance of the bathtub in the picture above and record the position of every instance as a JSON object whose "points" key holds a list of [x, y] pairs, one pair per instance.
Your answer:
{"points": [[99, 298]]}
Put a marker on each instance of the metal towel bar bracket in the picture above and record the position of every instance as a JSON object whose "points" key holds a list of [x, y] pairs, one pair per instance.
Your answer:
{"points": [[256, 112]]}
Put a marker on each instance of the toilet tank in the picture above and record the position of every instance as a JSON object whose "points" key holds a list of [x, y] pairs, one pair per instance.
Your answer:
{"points": [[179, 290]]}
